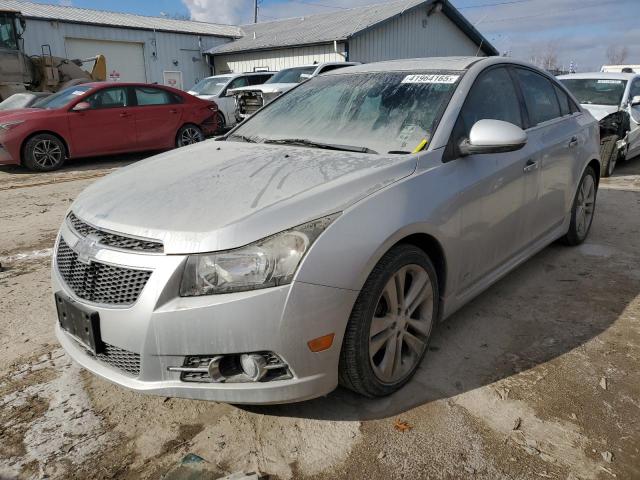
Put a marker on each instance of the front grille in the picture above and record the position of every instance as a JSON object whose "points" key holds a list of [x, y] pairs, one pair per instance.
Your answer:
{"points": [[99, 282], [124, 360], [114, 240]]}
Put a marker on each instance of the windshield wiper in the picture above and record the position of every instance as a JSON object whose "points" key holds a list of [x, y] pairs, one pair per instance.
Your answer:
{"points": [[244, 138], [327, 146]]}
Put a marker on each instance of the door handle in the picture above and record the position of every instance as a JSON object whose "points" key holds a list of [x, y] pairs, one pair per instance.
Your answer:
{"points": [[173, 111], [530, 166], [573, 142], [125, 114]]}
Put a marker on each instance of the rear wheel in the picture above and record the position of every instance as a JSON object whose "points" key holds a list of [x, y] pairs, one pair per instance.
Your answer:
{"points": [[609, 155], [44, 153], [584, 206], [390, 325], [188, 135], [222, 125]]}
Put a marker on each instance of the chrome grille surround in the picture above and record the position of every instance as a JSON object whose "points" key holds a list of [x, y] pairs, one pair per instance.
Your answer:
{"points": [[124, 360], [98, 282], [114, 240]]}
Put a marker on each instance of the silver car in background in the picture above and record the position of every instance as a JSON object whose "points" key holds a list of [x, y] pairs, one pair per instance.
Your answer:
{"points": [[321, 241]]}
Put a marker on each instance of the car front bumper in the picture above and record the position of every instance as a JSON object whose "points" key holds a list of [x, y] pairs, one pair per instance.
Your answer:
{"points": [[161, 329], [5, 156]]}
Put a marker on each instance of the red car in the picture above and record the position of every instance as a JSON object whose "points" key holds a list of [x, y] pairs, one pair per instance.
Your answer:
{"points": [[101, 119]]}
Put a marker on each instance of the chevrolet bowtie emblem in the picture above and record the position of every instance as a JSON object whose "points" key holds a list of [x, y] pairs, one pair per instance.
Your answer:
{"points": [[87, 248]]}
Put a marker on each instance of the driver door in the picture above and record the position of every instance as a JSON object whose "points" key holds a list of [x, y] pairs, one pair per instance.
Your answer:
{"points": [[634, 121], [107, 127], [497, 191]]}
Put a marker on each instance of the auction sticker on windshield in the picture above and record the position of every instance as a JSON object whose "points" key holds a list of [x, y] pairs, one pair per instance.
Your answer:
{"points": [[430, 78], [616, 82]]}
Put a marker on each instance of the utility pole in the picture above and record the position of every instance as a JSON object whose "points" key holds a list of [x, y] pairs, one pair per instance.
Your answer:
{"points": [[255, 11]]}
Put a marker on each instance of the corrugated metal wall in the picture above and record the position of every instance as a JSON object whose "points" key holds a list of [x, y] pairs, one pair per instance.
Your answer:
{"points": [[278, 59], [169, 47], [411, 35]]}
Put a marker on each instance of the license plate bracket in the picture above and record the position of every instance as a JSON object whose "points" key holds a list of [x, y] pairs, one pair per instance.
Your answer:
{"points": [[82, 323]]}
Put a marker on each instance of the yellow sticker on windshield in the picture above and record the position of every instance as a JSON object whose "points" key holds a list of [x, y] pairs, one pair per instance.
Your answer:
{"points": [[421, 146]]}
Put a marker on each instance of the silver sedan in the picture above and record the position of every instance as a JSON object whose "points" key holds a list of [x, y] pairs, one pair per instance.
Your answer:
{"points": [[321, 241]]}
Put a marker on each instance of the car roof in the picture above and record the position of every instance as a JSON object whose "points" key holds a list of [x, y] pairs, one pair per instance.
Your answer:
{"points": [[432, 63], [599, 75]]}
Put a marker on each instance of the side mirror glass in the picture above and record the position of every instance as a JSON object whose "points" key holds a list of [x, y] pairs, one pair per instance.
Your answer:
{"points": [[493, 136], [81, 107], [305, 76], [635, 101]]}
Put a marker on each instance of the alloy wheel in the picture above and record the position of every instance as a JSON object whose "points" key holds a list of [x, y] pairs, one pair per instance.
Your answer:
{"points": [[401, 324], [585, 205], [190, 135], [47, 153]]}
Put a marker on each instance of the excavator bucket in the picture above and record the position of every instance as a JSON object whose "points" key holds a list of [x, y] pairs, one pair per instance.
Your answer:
{"points": [[99, 70]]}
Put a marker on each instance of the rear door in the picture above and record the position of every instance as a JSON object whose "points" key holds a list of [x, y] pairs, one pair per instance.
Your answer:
{"points": [[107, 127], [497, 192], [158, 114], [558, 136]]}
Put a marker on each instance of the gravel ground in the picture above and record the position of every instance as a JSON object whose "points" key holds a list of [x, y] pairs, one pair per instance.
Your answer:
{"points": [[536, 378]]}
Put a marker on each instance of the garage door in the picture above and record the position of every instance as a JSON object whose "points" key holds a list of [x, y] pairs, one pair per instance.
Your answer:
{"points": [[125, 60]]}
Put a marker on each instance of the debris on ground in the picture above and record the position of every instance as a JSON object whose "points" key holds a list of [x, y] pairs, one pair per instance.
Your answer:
{"points": [[402, 426], [603, 383], [607, 456]]}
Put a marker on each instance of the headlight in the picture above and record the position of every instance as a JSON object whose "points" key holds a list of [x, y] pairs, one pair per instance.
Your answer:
{"points": [[267, 263], [10, 125]]}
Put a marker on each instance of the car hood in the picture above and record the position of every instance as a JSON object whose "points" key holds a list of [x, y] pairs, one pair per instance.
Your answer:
{"points": [[221, 195], [266, 88], [600, 111]]}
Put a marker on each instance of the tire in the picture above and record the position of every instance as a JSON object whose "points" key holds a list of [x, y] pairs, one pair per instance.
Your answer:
{"points": [[583, 210], [222, 125], [44, 153], [188, 135], [609, 155], [365, 352]]}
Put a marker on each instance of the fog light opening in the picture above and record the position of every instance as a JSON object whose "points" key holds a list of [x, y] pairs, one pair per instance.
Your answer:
{"points": [[253, 366]]}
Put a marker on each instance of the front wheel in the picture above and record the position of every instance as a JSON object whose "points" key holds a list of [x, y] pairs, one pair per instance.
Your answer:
{"points": [[44, 153], [609, 155], [390, 325], [188, 135], [583, 209]]}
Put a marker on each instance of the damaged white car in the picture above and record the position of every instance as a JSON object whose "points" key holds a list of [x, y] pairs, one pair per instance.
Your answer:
{"points": [[249, 100], [614, 100]]}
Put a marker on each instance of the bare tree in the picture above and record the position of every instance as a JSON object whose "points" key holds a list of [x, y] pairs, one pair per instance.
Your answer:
{"points": [[546, 57], [617, 55]]}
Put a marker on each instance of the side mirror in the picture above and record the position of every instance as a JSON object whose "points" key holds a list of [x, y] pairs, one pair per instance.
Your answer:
{"points": [[305, 76], [635, 101], [493, 136], [81, 107]]}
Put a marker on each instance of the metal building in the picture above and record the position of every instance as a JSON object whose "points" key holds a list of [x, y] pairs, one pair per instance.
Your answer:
{"points": [[387, 31], [137, 48]]}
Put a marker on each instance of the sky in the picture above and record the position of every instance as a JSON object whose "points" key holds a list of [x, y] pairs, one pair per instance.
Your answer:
{"points": [[578, 31]]}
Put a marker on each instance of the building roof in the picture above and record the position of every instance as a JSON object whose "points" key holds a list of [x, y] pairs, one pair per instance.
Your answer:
{"points": [[39, 11], [339, 26]]}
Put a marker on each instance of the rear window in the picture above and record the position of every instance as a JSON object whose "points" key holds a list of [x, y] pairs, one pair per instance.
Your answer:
{"points": [[596, 91]]}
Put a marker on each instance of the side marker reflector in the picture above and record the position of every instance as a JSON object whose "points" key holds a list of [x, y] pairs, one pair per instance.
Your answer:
{"points": [[321, 344]]}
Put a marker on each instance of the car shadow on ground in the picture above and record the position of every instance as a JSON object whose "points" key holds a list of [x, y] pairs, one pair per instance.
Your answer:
{"points": [[551, 305], [83, 164]]}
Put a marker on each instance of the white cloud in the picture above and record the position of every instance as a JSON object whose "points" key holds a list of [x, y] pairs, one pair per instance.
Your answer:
{"points": [[232, 12]]}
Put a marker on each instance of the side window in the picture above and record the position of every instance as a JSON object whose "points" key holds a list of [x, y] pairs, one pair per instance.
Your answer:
{"points": [[539, 96], [492, 97], [635, 89], [153, 96], [7, 32], [565, 102], [258, 79], [109, 98], [238, 82]]}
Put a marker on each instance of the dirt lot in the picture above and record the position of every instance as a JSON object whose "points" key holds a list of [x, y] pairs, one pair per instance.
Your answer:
{"points": [[537, 378]]}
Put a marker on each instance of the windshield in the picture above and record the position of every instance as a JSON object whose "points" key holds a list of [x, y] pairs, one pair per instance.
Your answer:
{"points": [[63, 97], [18, 100], [210, 86], [291, 75], [380, 112], [603, 91]]}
